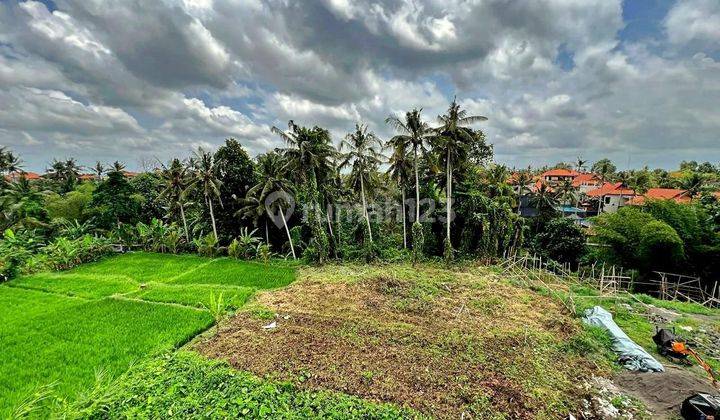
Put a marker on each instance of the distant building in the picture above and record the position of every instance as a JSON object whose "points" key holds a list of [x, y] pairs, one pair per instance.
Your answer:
{"points": [[677, 195], [14, 176], [587, 182], [612, 196], [556, 176]]}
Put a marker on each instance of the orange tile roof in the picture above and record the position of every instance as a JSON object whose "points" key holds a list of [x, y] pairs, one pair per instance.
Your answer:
{"points": [[678, 195], [87, 177], [610, 188], [30, 176], [560, 172], [586, 178]]}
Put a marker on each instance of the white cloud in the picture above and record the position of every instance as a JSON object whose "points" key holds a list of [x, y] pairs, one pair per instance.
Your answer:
{"points": [[692, 20]]}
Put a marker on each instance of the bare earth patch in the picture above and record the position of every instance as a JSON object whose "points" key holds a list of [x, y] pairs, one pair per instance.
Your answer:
{"points": [[446, 343]]}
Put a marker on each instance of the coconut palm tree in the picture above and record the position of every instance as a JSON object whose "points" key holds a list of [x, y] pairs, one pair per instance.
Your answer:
{"points": [[273, 180], [399, 170], [118, 166], [308, 157], [22, 205], [364, 154], [452, 140], [580, 164], [523, 180], [414, 134], [99, 170], [8, 161], [544, 200], [203, 178], [175, 182], [693, 183], [566, 191]]}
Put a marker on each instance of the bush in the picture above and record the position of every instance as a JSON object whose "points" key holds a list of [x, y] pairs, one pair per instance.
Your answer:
{"points": [[660, 246], [15, 250], [561, 240], [64, 253], [207, 246]]}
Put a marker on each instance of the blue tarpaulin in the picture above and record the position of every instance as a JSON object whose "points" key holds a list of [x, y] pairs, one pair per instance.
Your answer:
{"points": [[632, 356]]}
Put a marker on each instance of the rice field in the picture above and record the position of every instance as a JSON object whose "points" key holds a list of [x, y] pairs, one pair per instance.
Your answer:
{"points": [[58, 329]]}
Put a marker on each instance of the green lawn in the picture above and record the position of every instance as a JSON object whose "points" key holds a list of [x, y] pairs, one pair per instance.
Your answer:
{"points": [[60, 328]]}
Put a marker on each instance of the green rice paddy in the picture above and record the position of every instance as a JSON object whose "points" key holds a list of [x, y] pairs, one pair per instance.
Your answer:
{"points": [[59, 329]]}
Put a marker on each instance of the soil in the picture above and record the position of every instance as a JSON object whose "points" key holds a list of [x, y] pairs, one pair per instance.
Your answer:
{"points": [[454, 351], [663, 392]]}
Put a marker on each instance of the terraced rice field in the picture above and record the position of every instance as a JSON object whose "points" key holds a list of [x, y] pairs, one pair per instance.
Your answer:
{"points": [[58, 329]]}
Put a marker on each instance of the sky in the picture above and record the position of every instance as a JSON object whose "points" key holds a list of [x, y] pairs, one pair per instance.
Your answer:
{"points": [[139, 81]]}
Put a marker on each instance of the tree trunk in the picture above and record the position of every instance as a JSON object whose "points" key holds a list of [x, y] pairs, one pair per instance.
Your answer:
{"points": [[365, 212], [287, 231], [182, 215], [449, 195], [212, 218], [327, 216], [404, 220], [417, 186], [267, 233]]}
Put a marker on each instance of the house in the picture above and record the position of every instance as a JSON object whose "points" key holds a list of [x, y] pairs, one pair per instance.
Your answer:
{"points": [[585, 182], [87, 177], [611, 196], [14, 176], [556, 176], [677, 195], [130, 174]]}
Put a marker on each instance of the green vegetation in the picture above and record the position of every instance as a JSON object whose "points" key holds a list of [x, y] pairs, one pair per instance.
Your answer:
{"points": [[64, 341], [59, 328], [185, 384]]}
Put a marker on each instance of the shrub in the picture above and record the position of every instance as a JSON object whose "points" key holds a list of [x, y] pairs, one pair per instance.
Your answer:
{"points": [[207, 246], [660, 246], [15, 250], [561, 240], [64, 253]]}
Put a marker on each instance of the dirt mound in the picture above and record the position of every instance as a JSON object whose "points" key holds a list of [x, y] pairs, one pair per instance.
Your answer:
{"points": [[663, 392], [445, 348]]}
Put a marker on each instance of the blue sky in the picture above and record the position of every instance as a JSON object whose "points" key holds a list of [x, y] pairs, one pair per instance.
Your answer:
{"points": [[636, 81]]}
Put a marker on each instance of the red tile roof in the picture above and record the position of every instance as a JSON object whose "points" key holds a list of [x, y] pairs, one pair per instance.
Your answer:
{"points": [[560, 172], [680, 196], [586, 178], [610, 188], [30, 176]]}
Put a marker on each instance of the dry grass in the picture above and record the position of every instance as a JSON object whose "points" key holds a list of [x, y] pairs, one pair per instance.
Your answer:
{"points": [[445, 342]]}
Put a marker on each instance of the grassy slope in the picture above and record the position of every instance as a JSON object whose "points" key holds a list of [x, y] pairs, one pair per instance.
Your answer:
{"points": [[64, 326], [630, 313]]}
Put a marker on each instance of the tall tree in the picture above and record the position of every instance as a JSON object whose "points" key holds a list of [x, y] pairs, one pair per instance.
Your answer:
{"points": [[308, 156], [272, 179], [22, 205], [114, 201], [364, 154], [236, 172], [99, 170], [9, 162], [204, 180], [566, 191], [452, 140], [175, 182], [580, 164], [399, 170], [414, 133], [604, 168]]}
